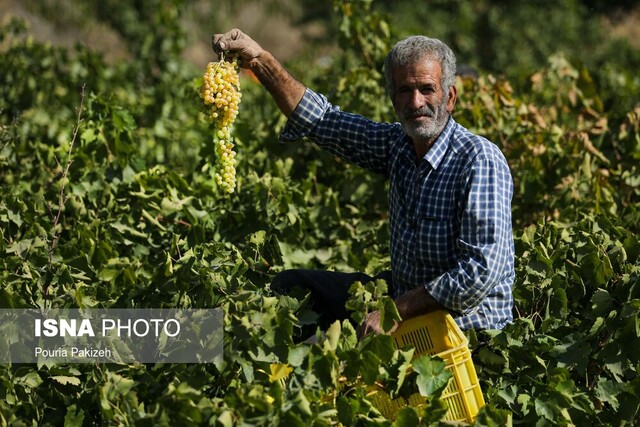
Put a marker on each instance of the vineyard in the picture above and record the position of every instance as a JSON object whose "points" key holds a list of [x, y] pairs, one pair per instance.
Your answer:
{"points": [[110, 197]]}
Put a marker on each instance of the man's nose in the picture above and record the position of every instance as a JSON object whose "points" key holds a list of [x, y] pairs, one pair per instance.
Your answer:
{"points": [[416, 100]]}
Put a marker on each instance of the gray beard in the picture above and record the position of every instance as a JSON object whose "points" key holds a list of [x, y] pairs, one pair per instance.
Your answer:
{"points": [[432, 128]]}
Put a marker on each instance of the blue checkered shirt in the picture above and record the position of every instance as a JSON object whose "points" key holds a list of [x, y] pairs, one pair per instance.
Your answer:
{"points": [[450, 213]]}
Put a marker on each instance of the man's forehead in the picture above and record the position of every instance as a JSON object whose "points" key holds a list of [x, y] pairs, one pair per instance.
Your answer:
{"points": [[424, 67]]}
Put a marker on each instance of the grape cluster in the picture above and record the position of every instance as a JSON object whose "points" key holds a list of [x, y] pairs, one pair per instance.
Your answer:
{"points": [[220, 92]]}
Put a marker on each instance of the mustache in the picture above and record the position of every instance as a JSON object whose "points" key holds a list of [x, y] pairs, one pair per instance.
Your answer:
{"points": [[422, 111]]}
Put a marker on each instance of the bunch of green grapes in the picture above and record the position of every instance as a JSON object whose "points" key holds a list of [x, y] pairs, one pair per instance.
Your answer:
{"points": [[221, 95]]}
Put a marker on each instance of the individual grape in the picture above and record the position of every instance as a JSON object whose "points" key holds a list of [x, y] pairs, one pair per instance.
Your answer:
{"points": [[221, 95]]}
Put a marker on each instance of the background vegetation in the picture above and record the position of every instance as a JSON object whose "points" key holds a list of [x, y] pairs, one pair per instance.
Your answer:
{"points": [[107, 200]]}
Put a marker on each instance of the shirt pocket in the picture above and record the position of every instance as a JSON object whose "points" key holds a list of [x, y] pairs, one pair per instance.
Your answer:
{"points": [[435, 242]]}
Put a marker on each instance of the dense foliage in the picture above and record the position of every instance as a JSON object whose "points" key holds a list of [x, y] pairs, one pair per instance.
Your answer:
{"points": [[107, 199]]}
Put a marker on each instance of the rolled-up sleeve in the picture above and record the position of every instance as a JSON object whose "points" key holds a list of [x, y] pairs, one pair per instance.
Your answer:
{"points": [[305, 117], [353, 137]]}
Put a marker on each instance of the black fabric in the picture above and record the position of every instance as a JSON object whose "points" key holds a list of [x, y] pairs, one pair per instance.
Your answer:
{"points": [[329, 290]]}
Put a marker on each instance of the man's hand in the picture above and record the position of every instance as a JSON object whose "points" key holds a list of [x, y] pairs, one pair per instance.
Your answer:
{"points": [[416, 302], [371, 325], [285, 90], [411, 304], [237, 42]]}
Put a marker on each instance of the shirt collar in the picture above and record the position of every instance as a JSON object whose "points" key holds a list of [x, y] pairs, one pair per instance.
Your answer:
{"points": [[437, 151]]}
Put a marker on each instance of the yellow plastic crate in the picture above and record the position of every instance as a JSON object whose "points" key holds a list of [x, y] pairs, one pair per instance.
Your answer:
{"points": [[437, 334]]}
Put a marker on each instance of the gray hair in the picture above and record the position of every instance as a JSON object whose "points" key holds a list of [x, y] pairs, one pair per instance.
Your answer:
{"points": [[415, 48]]}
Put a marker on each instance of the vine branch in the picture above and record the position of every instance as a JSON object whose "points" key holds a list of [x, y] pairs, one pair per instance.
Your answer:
{"points": [[62, 198]]}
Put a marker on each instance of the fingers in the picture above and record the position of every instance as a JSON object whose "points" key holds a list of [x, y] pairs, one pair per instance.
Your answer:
{"points": [[227, 41], [371, 325], [218, 44], [237, 43]]}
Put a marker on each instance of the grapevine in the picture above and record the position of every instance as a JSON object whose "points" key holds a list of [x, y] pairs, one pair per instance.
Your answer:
{"points": [[221, 95]]}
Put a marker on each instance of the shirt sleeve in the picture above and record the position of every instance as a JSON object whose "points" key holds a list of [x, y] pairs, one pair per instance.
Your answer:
{"points": [[353, 137], [485, 242], [305, 116]]}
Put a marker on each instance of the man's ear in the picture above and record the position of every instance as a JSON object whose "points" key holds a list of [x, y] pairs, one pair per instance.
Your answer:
{"points": [[453, 96]]}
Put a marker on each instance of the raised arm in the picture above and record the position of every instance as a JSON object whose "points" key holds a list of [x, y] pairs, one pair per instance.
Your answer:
{"points": [[283, 87]]}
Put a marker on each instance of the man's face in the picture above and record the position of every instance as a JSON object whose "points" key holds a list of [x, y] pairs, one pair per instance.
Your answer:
{"points": [[420, 102]]}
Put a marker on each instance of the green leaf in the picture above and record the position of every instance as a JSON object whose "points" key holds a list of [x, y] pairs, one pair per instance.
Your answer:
{"points": [[122, 119], [349, 337], [573, 351], [565, 390], [597, 268], [382, 346], [333, 335], [407, 417], [491, 416], [125, 229], [602, 302], [352, 361], [74, 417], [289, 418], [153, 220], [630, 308], [608, 392], [297, 355], [65, 380], [88, 135], [432, 377], [490, 357], [509, 394], [389, 315], [226, 419], [616, 369], [403, 368], [347, 409], [369, 367], [325, 369], [544, 409], [15, 217], [632, 247], [302, 403], [30, 379], [525, 401]]}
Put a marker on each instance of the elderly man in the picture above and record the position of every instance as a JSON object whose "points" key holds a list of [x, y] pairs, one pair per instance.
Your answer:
{"points": [[449, 195]]}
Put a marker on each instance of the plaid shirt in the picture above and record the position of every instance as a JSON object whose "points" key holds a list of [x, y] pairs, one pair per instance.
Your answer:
{"points": [[450, 214]]}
